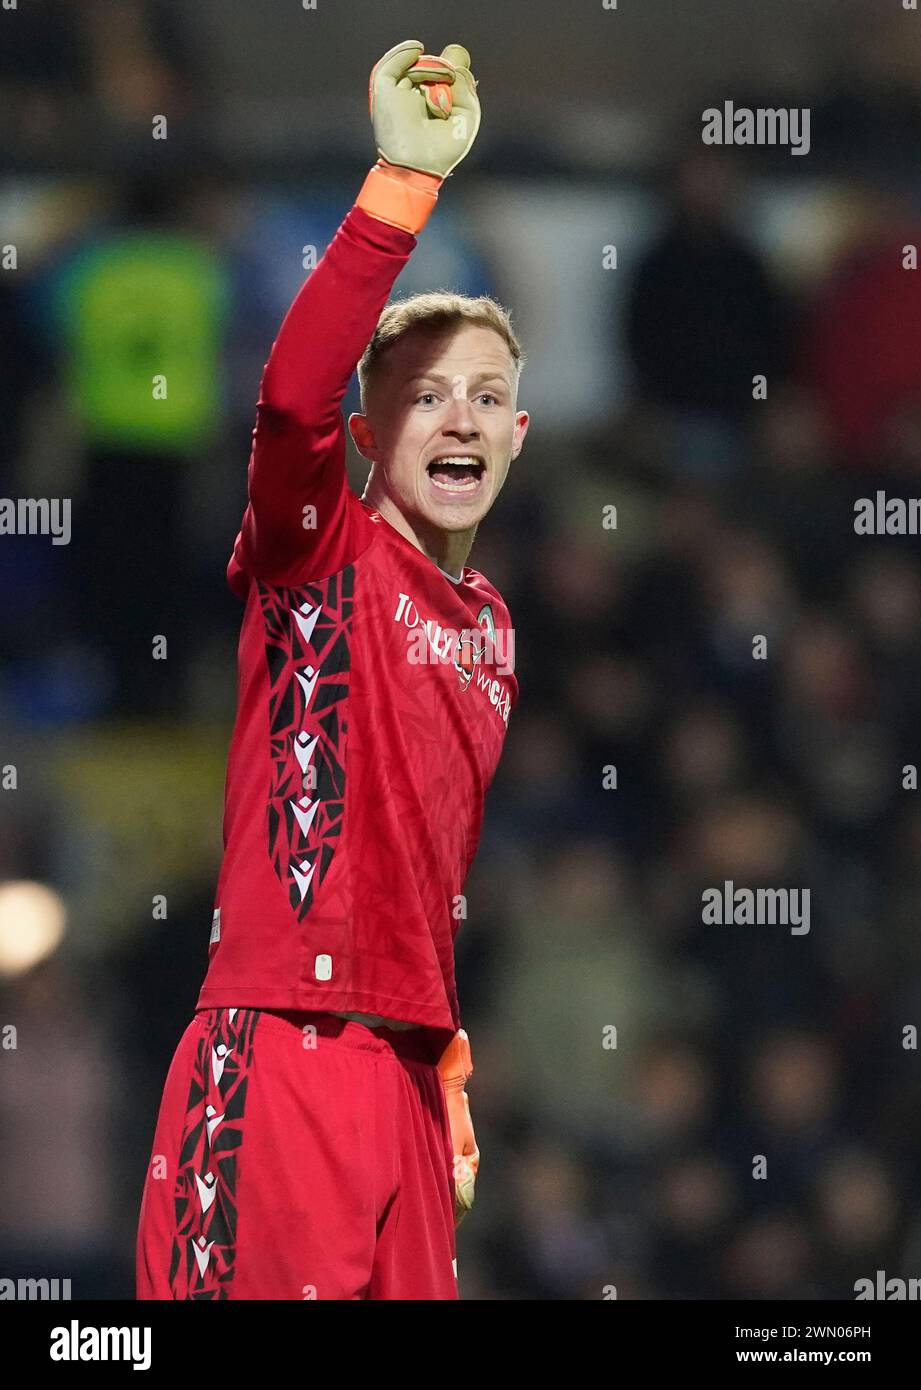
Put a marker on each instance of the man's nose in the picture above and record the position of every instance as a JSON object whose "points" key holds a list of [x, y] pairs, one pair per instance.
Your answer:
{"points": [[460, 419]]}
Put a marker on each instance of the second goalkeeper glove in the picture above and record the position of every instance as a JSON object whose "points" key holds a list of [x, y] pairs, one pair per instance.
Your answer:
{"points": [[454, 1068]]}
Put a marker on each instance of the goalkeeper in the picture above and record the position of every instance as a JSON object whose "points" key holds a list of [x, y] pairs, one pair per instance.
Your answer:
{"points": [[314, 1137]]}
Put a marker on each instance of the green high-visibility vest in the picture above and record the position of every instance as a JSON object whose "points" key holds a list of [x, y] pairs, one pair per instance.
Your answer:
{"points": [[142, 316]]}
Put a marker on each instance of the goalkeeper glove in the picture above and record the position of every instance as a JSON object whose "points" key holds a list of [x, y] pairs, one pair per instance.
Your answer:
{"points": [[454, 1068], [425, 115]]}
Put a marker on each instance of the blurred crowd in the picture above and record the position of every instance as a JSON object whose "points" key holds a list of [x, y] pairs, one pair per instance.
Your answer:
{"points": [[632, 1063]]}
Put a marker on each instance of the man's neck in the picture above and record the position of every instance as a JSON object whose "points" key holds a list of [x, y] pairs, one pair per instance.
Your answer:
{"points": [[446, 549]]}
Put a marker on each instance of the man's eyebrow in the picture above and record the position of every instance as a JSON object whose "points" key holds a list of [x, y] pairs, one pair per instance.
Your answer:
{"points": [[478, 376]]}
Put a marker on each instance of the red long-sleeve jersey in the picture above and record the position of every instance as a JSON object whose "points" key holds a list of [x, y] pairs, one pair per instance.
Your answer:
{"points": [[370, 716]]}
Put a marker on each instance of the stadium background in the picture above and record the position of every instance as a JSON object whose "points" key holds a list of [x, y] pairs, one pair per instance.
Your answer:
{"points": [[631, 1166]]}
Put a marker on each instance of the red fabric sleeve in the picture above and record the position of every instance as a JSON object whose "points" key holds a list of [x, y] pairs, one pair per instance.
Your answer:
{"points": [[298, 455]]}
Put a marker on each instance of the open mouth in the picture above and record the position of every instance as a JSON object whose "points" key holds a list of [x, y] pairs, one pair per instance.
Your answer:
{"points": [[457, 474]]}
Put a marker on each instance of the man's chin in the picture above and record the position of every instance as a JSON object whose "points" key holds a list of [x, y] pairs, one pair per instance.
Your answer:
{"points": [[455, 518]]}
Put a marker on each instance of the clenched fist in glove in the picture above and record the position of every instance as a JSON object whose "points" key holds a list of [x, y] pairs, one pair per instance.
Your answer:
{"points": [[426, 114], [455, 1067]]}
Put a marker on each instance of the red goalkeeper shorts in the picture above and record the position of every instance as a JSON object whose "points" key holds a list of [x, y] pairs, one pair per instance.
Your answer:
{"points": [[299, 1156]]}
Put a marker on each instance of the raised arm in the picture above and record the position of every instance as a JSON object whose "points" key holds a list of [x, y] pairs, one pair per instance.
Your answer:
{"points": [[302, 521]]}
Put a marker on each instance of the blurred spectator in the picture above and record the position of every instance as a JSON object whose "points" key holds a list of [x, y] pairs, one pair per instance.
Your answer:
{"points": [[862, 347], [705, 319]]}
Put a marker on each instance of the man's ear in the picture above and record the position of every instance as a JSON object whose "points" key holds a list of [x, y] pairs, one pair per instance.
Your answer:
{"points": [[362, 437], [522, 420]]}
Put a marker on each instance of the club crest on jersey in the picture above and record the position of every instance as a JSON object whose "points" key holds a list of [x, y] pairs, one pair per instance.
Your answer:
{"points": [[469, 653], [466, 650]]}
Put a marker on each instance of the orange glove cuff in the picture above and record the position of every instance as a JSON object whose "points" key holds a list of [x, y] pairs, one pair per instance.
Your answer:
{"points": [[400, 197], [456, 1062]]}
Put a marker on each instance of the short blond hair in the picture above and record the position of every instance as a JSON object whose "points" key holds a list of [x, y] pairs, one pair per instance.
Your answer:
{"points": [[436, 310]]}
